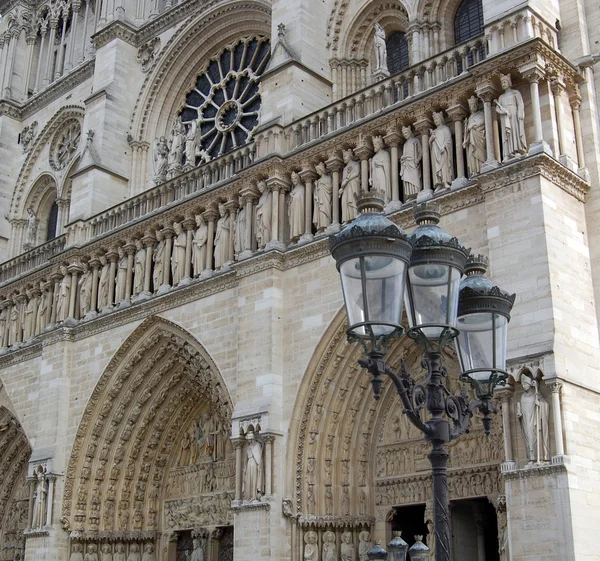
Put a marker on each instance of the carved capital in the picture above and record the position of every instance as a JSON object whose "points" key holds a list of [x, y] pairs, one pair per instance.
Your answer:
{"points": [[231, 205], [210, 215], [554, 385], [308, 173], [558, 86], [423, 125], [486, 91], [457, 112], [392, 137], [335, 162]]}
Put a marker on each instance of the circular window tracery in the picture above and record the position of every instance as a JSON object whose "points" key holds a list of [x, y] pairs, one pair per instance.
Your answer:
{"points": [[223, 108], [65, 144]]}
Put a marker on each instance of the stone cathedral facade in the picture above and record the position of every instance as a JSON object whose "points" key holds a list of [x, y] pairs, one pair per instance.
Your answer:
{"points": [[175, 379]]}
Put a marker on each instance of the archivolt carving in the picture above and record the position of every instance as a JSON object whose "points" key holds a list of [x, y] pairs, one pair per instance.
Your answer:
{"points": [[15, 452], [67, 113], [126, 440]]}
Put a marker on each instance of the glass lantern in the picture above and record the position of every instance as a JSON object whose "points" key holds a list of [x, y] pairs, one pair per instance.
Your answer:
{"points": [[419, 551], [397, 547], [377, 553], [436, 267]]}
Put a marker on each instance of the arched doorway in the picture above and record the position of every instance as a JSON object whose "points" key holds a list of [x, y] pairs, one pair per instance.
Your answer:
{"points": [[152, 463], [359, 466]]}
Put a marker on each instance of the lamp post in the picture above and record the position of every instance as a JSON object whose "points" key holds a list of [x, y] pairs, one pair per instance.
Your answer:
{"points": [[380, 267]]}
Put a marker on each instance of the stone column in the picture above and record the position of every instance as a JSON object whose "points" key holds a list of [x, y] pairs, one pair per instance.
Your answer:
{"points": [[308, 176], [53, 26], [3, 56], [487, 93], [275, 183], [95, 266], [55, 278], [269, 439], [43, 33], [556, 387], [32, 485], [76, 6], [10, 61], [335, 164], [148, 240], [414, 31], [423, 125], [210, 216], [392, 139], [112, 257], [575, 102], [188, 225], [30, 46], [238, 446], [533, 76], [84, 38], [168, 233], [505, 395], [74, 270], [130, 250], [249, 197], [364, 152], [458, 113], [59, 70], [50, 498], [558, 87]]}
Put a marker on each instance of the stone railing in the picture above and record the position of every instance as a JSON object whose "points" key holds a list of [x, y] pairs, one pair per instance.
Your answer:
{"points": [[32, 260], [190, 232]]}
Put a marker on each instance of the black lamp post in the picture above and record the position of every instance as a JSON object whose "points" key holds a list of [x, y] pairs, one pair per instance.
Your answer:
{"points": [[379, 264]]}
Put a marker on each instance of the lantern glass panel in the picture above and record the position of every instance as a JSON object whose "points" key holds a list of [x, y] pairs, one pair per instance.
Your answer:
{"points": [[481, 343], [373, 287], [432, 297]]}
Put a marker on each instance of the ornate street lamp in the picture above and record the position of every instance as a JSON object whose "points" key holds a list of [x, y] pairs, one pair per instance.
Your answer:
{"points": [[377, 553], [397, 547], [378, 264], [419, 551]]}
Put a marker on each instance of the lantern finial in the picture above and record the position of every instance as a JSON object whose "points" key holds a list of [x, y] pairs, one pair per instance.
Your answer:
{"points": [[426, 213], [370, 201], [476, 265]]}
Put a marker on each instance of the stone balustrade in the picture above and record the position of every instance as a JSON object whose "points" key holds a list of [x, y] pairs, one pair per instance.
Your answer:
{"points": [[198, 225]]}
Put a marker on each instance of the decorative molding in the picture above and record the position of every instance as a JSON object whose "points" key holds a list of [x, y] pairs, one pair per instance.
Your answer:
{"points": [[542, 470], [254, 505], [115, 30]]}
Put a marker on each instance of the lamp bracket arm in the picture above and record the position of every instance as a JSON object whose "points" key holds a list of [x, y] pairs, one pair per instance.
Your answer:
{"points": [[459, 411], [405, 387]]}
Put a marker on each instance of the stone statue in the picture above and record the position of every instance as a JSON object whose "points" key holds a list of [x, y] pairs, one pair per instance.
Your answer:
{"points": [[161, 163], [32, 225], [430, 539], [347, 548], [364, 545], [178, 255], [39, 505], [121, 276], [13, 323], [76, 552], [442, 158], [345, 499], [533, 412], [329, 547], [262, 215], [103, 284], [322, 196], [199, 245], [190, 143], [62, 298], [149, 554], [3, 331], [380, 48], [239, 229], [139, 267], [254, 467], [381, 169], [45, 302], [177, 146], [134, 553], [198, 552], [328, 501], [106, 552], [503, 548], [350, 187], [158, 257], [511, 109], [296, 205], [91, 554], [310, 547], [222, 237], [474, 137], [85, 291], [119, 552], [410, 164]]}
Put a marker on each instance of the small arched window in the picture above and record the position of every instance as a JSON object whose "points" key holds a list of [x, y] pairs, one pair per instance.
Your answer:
{"points": [[52, 222], [468, 21], [397, 52]]}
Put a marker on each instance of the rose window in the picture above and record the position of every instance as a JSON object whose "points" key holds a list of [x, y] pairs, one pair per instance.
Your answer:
{"points": [[223, 108], [65, 144]]}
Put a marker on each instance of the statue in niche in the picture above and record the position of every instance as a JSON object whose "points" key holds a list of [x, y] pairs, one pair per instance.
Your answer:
{"points": [[239, 229], [440, 141], [329, 547], [149, 554], [381, 167], [76, 552], [119, 552], [380, 48], [158, 257], [254, 467], [502, 529], [222, 237], [190, 144], [139, 267], [32, 226], [511, 109], [262, 215], [533, 412], [474, 137], [3, 331], [178, 255], [364, 545], [350, 186], [322, 196], [362, 502], [106, 552], [177, 146], [347, 548], [91, 553], [134, 553], [121, 276], [198, 552], [187, 442], [199, 245], [85, 291], [410, 164], [103, 284], [328, 500], [28, 320], [345, 501], [43, 310], [39, 504], [62, 298], [13, 326], [310, 547], [296, 207], [161, 160], [430, 539]]}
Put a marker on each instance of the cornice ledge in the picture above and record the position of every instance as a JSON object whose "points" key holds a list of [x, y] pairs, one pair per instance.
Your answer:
{"points": [[127, 535], [535, 471], [36, 534], [254, 505], [272, 259], [320, 521], [22, 354], [115, 30], [9, 109]]}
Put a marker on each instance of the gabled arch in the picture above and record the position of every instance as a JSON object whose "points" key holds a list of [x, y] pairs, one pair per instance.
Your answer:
{"points": [[126, 437]]}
